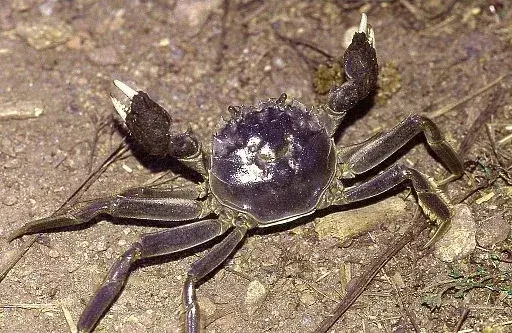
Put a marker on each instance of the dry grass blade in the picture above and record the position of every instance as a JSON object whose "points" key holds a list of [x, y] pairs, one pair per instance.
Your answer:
{"points": [[69, 319], [453, 105], [31, 306], [7, 266], [359, 284]]}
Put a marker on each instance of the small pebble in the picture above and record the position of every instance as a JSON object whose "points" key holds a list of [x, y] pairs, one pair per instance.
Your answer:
{"points": [[10, 200], [100, 246], [13, 163], [44, 33], [194, 14], [108, 253], [256, 293], [207, 307], [492, 230], [53, 253], [127, 168], [104, 56], [164, 42], [460, 240], [307, 298], [47, 8], [279, 62]]}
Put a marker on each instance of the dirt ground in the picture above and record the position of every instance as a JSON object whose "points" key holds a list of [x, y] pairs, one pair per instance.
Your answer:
{"points": [[57, 62]]}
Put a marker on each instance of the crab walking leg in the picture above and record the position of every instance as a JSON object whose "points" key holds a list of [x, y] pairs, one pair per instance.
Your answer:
{"points": [[150, 245], [431, 200], [149, 204], [374, 151], [204, 266]]}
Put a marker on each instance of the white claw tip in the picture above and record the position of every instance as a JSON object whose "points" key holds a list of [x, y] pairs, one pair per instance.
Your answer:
{"points": [[363, 26], [129, 92], [122, 107]]}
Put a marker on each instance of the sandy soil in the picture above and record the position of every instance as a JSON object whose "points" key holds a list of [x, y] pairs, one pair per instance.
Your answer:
{"points": [[199, 57]]}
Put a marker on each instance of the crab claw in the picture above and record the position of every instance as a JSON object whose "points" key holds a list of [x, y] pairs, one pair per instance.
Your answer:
{"points": [[361, 70], [121, 107], [367, 29], [150, 125], [360, 60]]}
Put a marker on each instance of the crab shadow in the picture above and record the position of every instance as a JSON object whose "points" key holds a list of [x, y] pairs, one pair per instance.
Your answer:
{"points": [[158, 163]]}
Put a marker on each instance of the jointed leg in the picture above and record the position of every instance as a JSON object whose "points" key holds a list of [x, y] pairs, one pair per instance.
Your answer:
{"points": [[141, 203], [365, 156], [204, 266], [432, 201], [183, 192], [154, 244], [379, 148]]}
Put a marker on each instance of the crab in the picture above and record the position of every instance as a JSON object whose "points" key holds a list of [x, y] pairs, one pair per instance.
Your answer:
{"points": [[269, 164]]}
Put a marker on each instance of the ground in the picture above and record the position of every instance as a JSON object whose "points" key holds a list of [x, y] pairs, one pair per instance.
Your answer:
{"points": [[57, 62]]}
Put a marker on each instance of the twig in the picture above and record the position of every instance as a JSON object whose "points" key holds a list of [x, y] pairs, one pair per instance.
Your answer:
{"points": [[94, 144], [485, 115], [69, 319], [31, 306], [402, 304], [359, 284], [94, 175], [223, 32], [462, 319], [7, 266], [453, 105], [415, 11], [20, 111], [295, 43], [485, 184], [312, 286], [244, 8]]}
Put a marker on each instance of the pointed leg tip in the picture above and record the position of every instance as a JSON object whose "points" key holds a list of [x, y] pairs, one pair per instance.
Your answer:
{"points": [[13, 235]]}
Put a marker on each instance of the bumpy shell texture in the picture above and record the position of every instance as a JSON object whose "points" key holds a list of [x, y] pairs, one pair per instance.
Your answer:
{"points": [[272, 162]]}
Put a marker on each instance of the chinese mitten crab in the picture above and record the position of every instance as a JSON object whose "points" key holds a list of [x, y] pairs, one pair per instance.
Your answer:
{"points": [[269, 164]]}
